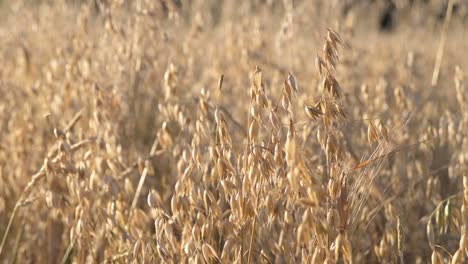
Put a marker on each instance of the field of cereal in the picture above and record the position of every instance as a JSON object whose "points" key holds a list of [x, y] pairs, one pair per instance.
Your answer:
{"points": [[209, 131]]}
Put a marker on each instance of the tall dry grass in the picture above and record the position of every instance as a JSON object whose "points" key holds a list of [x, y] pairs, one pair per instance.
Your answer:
{"points": [[230, 132]]}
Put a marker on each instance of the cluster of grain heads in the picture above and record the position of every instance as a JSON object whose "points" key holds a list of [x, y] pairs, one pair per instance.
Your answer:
{"points": [[375, 134], [446, 219], [226, 194], [329, 107], [461, 254]]}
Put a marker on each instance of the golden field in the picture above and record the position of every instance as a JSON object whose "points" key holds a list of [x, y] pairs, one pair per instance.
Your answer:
{"points": [[210, 131]]}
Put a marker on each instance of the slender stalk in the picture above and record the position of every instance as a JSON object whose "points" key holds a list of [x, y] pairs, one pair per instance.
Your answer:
{"points": [[68, 252], [7, 231], [440, 50], [252, 234], [17, 243], [35, 178], [138, 191]]}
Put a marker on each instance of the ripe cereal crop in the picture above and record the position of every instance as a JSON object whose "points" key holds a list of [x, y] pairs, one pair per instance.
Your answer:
{"points": [[206, 131]]}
